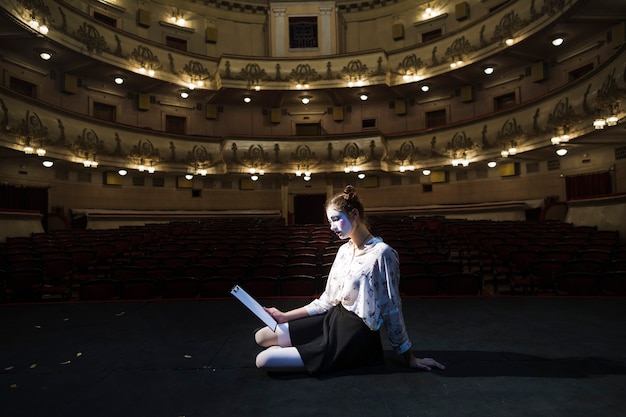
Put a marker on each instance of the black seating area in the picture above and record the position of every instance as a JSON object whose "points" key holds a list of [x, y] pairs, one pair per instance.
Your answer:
{"points": [[187, 260]]}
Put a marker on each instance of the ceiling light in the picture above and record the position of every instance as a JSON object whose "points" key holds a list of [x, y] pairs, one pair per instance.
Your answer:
{"points": [[247, 99], [558, 40], [509, 41], [305, 99], [561, 152], [45, 55], [47, 164], [425, 88], [488, 70], [363, 97]]}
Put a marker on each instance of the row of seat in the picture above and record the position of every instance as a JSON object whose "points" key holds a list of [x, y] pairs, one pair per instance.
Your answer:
{"points": [[192, 287]]}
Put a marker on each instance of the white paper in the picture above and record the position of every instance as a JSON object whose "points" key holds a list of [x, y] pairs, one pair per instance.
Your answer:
{"points": [[254, 306]]}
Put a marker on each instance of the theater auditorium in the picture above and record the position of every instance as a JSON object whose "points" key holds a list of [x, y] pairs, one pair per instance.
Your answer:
{"points": [[154, 154]]}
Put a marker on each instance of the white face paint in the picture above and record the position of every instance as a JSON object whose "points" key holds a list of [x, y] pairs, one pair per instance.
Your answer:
{"points": [[339, 223]]}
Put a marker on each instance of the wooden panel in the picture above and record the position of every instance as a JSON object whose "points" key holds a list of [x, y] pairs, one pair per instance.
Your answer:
{"points": [[618, 35], [509, 170], [211, 111], [400, 107], [143, 18], [211, 35], [467, 94], [182, 182], [438, 176], [397, 31], [338, 113], [276, 115], [461, 11], [370, 182], [246, 184], [143, 101], [539, 71], [70, 83], [111, 178]]}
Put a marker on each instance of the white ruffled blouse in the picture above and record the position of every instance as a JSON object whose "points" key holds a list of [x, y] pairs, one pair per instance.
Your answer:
{"points": [[365, 282]]}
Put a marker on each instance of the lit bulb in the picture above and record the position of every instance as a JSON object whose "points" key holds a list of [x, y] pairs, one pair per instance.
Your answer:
{"points": [[122, 172], [426, 171], [558, 41], [47, 164]]}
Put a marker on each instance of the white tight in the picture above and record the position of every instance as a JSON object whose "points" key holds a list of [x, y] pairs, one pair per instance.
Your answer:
{"points": [[281, 357]]}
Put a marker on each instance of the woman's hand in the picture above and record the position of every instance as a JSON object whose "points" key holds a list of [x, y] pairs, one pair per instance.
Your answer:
{"points": [[422, 363], [276, 314]]}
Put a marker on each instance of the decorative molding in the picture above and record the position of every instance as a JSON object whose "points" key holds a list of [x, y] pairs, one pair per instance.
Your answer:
{"points": [[442, 16], [176, 27], [26, 66]]}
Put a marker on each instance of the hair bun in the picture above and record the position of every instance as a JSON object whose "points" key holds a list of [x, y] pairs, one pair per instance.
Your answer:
{"points": [[349, 192]]}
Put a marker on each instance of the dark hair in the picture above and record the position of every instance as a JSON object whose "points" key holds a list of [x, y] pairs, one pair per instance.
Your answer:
{"points": [[347, 201]]}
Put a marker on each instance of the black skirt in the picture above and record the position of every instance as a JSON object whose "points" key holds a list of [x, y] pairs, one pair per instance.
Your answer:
{"points": [[336, 340]]}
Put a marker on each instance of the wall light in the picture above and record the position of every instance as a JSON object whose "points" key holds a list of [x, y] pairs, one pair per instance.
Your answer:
{"points": [[488, 70], [188, 177], [305, 99], [47, 164], [561, 152], [599, 124], [425, 88], [363, 97], [184, 94], [247, 99], [122, 172], [492, 164], [426, 172], [119, 80], [45, 55]]}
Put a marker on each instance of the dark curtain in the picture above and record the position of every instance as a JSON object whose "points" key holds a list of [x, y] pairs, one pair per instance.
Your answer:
{"points": [[588, 185], [13, 197]]}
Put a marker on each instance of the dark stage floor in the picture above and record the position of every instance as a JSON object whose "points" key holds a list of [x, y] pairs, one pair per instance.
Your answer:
{"points": [[505, 356]]}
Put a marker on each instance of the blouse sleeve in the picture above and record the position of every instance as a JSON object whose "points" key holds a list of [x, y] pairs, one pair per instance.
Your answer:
{"points": [[389, 301]]}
